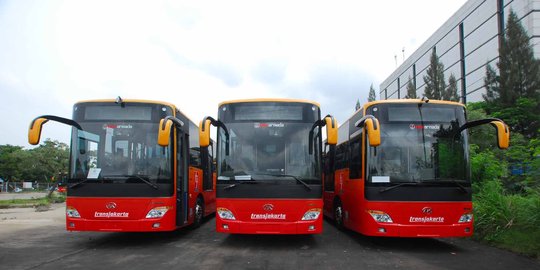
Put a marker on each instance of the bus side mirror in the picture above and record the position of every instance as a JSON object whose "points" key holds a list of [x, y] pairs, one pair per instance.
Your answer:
{"points": [[374, 131], [503, 134], [34, 132], [164, 133], [331, 130], [204, 133]]}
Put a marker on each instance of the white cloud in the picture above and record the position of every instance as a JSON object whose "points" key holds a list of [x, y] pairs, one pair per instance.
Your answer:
{"points": [[197, 54]]}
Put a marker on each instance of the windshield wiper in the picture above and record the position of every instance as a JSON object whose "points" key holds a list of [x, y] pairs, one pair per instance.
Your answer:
{"points": [[288, 175], [448, 180], [78, 183], [240, 183], [399, 184], [144, 180]]}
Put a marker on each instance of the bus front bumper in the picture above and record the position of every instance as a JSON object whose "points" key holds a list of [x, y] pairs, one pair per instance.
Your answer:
{"points": [[401, 230], [244, 227]]}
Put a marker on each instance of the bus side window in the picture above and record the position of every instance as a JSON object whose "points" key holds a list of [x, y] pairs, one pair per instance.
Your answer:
{"points": [[329, 159], [207, 158], [355, 165], [341, 156], [195, 157]]}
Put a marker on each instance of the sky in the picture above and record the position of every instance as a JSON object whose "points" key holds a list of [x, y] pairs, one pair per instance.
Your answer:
{"points": [[196, 54]]}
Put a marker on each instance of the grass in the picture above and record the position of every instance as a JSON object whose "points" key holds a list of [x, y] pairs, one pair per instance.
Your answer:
{"points": [[509, 221], [45, 201], [524, 242]]}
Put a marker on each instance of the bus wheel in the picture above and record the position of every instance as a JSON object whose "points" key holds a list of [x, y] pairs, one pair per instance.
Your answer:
{"points": [[199, 213], [338, 214]]}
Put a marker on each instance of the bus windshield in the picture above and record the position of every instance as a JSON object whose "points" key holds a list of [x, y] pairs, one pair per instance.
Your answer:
{"points": [[119, 145], [269, 142], [419, 144]]}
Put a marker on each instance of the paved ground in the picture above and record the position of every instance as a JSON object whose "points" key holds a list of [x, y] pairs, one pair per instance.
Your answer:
{"points": [[38, 240]]}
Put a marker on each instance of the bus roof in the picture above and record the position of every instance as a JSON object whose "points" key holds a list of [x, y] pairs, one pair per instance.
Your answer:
{"points": [[412, 101], [128, 100], [174, 108], [270, 100], [401, 101]]}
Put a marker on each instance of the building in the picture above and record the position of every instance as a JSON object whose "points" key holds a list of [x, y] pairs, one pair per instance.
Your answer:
{"points": [[465, 44]]}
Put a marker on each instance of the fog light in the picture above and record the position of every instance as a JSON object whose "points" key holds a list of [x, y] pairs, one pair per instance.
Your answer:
{"points": [[382, 230], [225, 226], [311, 227], [72, 225], [467, 230], [156, 225]]}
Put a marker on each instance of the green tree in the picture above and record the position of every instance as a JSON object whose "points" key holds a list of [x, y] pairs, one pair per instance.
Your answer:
{"points": [[411, 89], [357, 106], [11, 158], [434, 79], [47, 160], [451, 92], [483, 136], [518, 69], [491, 84], [372, 96], [38, 164], [514, 95]]}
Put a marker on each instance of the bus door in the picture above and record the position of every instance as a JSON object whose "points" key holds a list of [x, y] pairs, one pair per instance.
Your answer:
{"points": [[182, 178]]}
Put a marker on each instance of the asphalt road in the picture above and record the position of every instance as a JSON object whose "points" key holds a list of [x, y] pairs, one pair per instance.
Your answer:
{"points": [[50, 247]]}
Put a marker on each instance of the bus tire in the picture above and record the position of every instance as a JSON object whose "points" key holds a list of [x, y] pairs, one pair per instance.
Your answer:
{"points": [[199, 213], [338, 214]]}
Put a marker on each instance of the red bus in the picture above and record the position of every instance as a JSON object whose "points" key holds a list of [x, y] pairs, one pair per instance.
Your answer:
{"points": [[401, 168], [120, 179], [269, 156]]}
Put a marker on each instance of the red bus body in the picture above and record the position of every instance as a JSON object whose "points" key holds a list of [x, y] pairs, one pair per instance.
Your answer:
{"points": [[129, 214], [121, 180], [284, 217], [278, 190], [409, 218], [404, 208]]}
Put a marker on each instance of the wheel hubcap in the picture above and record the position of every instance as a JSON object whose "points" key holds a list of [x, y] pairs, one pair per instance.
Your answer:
{"points": [[339, 214], [198, 211]]}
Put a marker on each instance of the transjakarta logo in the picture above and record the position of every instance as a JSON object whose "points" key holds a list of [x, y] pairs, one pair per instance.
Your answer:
{"points": [[426, 219], [111, 214], [269, 216], [414, 126], [266, 125]]}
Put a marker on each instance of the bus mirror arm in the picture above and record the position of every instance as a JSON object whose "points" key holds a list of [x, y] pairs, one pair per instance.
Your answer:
{"points": [[503, 132], [318, 123], [216, 123], [371, 123], [175, 120], [362, 121], [34, 132]]}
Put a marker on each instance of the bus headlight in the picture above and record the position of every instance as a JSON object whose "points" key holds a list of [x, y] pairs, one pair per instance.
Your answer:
{"points": [[225, 213], [466, 218], [312, 214], [157, 212], [72, 212], [380, 216]]}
